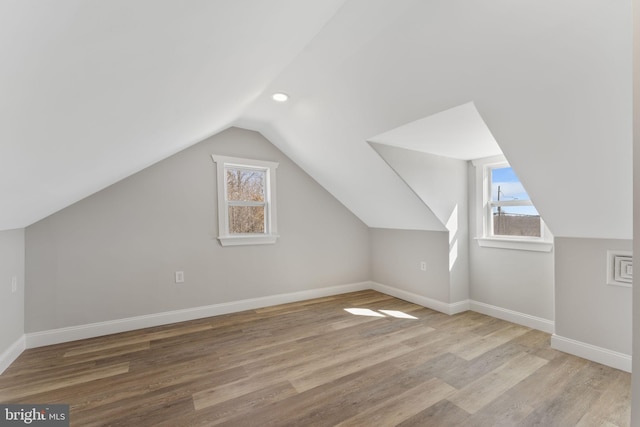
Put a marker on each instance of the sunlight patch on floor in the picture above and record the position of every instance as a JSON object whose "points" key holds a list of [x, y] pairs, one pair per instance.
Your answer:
{"points": [[380, 313], [364, 312], [398, 314]]}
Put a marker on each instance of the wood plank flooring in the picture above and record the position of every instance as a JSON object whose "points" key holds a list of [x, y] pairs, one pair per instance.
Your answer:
{"points": [[313, 363]]}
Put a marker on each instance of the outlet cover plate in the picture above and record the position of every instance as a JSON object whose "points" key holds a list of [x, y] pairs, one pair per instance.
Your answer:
{"points": [[179, 276]]}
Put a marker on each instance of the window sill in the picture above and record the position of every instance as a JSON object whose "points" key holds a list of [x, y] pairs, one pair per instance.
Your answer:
{"points": [[251, 239], [515, 244]]}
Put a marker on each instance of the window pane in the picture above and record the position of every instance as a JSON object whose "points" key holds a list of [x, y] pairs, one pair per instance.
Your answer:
{"points": [[505, 185], [246, 219], [245, 184], [516, 221]]}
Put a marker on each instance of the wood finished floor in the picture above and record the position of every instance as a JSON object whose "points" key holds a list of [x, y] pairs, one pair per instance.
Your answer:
{"points": [[313, 363]]}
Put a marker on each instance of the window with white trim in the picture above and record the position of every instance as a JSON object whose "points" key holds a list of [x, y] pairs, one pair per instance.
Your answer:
{"points": [[246, 201], [510, 212], [507, 218]]}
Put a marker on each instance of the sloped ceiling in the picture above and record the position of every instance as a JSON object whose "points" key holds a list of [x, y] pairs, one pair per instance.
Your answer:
{"points": [[93, 91], [458, 133]]}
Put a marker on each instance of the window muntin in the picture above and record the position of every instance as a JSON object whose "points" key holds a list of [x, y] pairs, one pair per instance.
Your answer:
{"points": [[510, 212], [246, 201]]}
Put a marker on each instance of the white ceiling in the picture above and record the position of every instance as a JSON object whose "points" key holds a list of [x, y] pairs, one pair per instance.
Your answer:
{"points": [[95, 91], [458, 132]]}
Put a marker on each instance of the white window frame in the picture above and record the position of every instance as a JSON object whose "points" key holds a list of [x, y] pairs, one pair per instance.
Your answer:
{"points": [[484, 213], [270, 236]]}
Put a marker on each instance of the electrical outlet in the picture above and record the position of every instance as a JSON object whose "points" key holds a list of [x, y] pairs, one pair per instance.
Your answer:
{"points": [[423, 266], [179, 276], [14, 284]]}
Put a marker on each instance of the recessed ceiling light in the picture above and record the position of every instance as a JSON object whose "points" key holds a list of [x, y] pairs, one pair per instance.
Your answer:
{"points": [[280, 97]]}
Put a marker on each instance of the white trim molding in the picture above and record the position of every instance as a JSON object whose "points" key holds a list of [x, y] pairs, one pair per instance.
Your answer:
{"points": [[56, 336], [12, 353], [523, 319], [443, 307], [72, 333], [520, 245], [591, 352]]}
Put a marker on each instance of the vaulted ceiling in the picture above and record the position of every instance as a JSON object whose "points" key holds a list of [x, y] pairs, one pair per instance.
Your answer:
{"points": [[93, 91]]}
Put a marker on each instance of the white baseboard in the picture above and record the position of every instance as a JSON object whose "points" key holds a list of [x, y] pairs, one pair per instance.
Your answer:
{"points": [[523, 319], [55, 336], [72, 333], [591, 352], [459, 307], [12, 353], [443, 307]]}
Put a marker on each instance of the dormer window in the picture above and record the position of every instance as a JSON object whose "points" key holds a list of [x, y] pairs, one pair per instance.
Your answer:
{"points": [[507, 218]]}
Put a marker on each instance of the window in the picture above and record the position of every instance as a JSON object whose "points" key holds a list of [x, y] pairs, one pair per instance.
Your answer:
{"points": [[510, 210], [246, 201], [507, 217]]}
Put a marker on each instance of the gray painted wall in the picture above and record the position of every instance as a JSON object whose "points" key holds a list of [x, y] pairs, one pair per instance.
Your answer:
{"points": [[11, 303], [587, 309], [113, 255], [517, 280], [396, 256], [441, 183]]}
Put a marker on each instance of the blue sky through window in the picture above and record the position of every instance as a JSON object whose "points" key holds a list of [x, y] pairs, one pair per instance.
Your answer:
{"points": [[510, 188]]}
